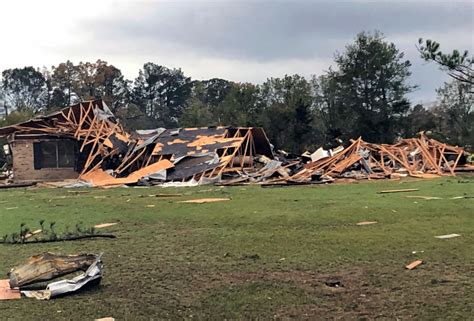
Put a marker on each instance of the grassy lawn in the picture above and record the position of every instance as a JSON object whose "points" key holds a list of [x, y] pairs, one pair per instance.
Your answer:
{"points": [[267, 253]]}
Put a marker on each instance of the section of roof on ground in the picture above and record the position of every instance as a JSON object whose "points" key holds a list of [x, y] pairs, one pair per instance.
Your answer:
{"points": [[182, 142]]}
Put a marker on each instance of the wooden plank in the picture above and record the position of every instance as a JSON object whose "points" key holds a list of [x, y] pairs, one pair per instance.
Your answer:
{"points": [[399, 190], [413, 264]]}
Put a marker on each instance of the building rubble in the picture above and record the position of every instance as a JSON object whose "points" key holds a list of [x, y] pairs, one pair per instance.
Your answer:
{"points": [[87, 144], [28, 279]]}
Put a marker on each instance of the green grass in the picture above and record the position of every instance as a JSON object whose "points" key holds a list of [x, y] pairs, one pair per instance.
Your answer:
{"points": [[264, 254]]}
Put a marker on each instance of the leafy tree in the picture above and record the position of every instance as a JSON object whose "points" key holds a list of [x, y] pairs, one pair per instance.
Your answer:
{"points": [[3, 108], [240, 107], [198, 110], [162, 93], [335, 119], [371, 80], [214, 91], [459, 66], [101, 81], [456, 108], [289, 107], [17, 116], [132, 117], [24, 89], [63, 79], [421, 119], [197, 115]]}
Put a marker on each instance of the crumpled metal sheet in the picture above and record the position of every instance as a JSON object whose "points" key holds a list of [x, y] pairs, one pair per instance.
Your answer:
{"points": [[47, 266], [104, 113], [93, 273]]}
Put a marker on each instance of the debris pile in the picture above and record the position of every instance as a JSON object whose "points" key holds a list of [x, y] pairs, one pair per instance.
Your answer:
{"points": [[48, 266], [417, 157], [104, 154], [86, 142]]}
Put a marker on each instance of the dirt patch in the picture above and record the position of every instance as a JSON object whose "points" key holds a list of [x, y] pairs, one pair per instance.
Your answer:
{"points": [[359, 292]]}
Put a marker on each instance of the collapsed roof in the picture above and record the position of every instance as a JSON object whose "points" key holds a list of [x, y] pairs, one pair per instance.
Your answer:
{"points": [[112, 156]]}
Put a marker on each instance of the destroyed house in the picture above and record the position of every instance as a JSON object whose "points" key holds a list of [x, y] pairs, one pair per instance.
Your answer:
{"points": [[86, 141], [56, 146]]}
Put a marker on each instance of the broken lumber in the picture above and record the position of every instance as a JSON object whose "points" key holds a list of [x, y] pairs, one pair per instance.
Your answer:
{"points": [[447, 236], [399, 190], [7, 293], [413, 264], [366, 223], [104, 225], [205, 200], [47, 266]]}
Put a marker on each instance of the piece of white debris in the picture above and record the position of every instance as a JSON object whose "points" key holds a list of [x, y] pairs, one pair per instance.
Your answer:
{"points": [[447, 236]]}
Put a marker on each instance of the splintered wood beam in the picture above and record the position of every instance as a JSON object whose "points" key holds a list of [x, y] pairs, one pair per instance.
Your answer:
{"points": [[447, 164], [456, 161], [397, 159], [430, 160], [73, 118], [90, 159], [101, 161], [149, 158], [130, 163], [441, 153], [252, 148], [126, 158], [405, 158], [231, 159], [81, 118], [380, 164], [242, 159], [85, 114], [87, 134]]}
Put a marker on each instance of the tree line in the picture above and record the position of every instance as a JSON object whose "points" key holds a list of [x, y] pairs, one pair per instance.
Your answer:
{"points": [[363, 95]]}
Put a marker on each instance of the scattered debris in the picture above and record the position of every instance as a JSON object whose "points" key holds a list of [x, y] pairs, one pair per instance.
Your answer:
{"points": [[47, 266], [35, 232], [447, 236], [205, 200], [334, 283], [460, 197], [92, 276], [253, 257], [367, 223], [7, 293], [98, 151], [424, 197], [413, 264], [399, 190], [417, 157], [104, 225], [105, 319], [45, 235]]}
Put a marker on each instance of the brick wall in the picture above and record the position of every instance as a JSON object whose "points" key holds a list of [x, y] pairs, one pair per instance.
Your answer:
{"points": [[24, 169]]}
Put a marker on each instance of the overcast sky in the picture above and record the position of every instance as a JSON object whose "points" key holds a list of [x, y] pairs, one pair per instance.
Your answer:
{"points": [[239, 40]]}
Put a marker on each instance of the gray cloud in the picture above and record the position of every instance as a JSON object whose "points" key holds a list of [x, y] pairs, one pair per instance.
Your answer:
{"points": [[273, 30], [253, 40]]}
